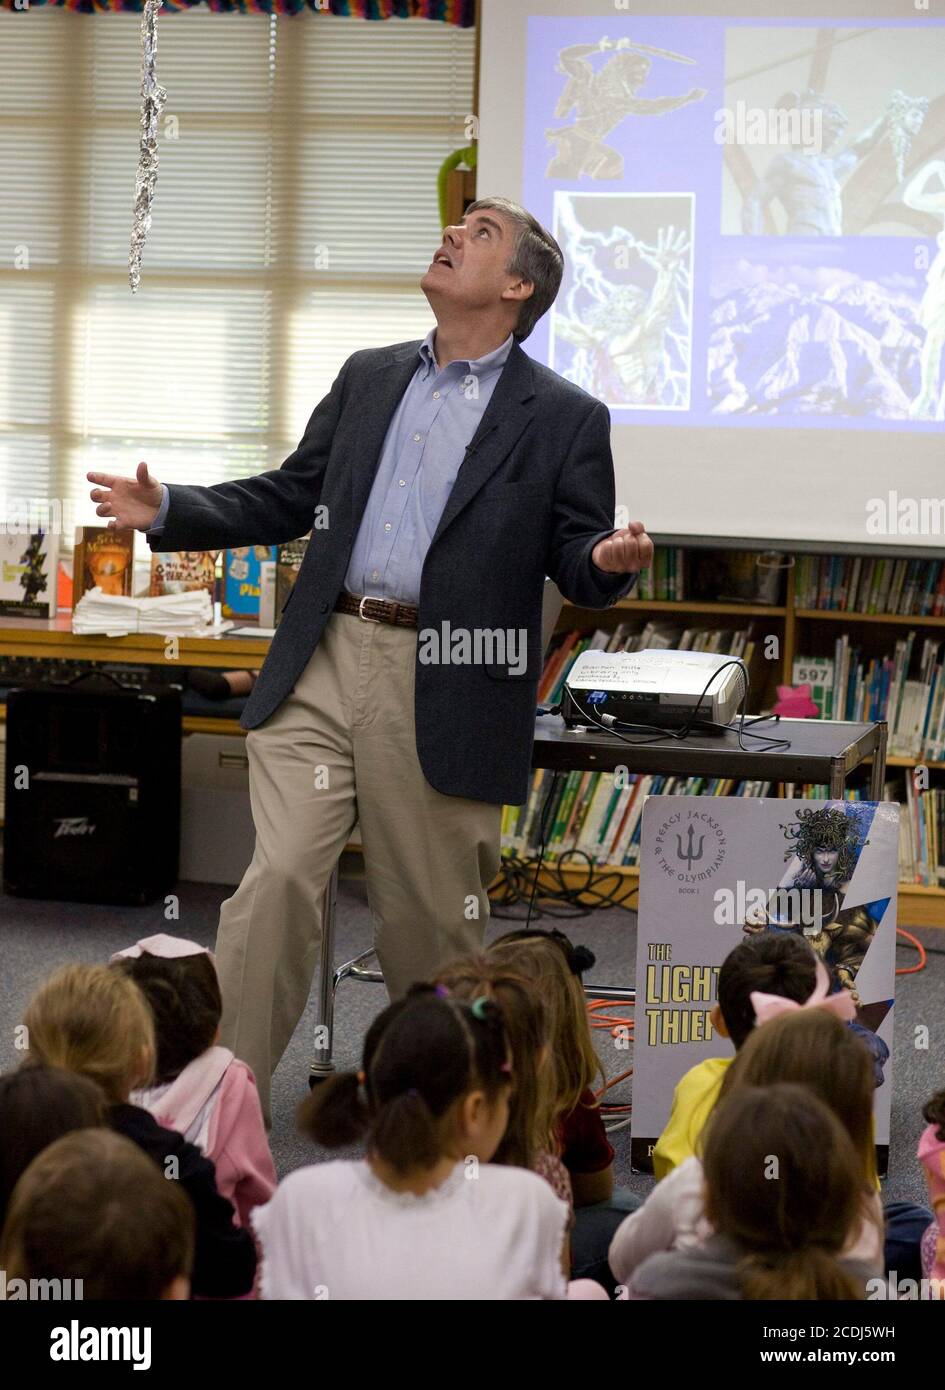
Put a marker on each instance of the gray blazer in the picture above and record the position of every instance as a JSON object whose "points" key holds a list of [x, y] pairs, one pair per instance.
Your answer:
{"points": [[534, 495]]}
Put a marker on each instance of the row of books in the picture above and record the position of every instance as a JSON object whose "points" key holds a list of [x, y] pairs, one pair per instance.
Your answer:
{"points": [[850, 686], [864, 584], [665, 579], [922, 836], [598, 813], [104, 560], [600, 816], [635, 635]]}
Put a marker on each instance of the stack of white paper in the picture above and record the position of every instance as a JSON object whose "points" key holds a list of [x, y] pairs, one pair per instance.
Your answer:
{"points": [[169, 615]]}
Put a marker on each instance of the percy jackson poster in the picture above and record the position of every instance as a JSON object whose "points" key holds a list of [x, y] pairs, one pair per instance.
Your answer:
{"points": [[717, 871]]}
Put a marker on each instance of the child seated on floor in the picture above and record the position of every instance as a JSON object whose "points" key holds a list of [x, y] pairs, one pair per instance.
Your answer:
{"points": [[93, 1208], [780, 964], [931, 1154], [783, 1192], [810, 1047], [94, 1020], [529, 1140], [199, 1088], [426, 1214], [37, 1106], [553, 966]]}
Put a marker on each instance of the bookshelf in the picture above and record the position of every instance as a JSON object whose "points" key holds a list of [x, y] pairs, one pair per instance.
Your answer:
{"points": [[801, 630]]}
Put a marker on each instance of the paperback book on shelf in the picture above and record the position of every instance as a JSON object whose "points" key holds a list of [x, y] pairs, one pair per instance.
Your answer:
{"points": [[103, 559], [289, 559], [242, 579], [28, 574], [180, 571]]}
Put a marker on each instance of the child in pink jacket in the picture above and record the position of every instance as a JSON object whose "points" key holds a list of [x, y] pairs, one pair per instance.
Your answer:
{"points": [[931, 1155], [201, 1090]]}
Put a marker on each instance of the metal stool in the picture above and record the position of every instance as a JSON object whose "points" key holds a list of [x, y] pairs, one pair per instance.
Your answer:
{"points": [[329, 979]]}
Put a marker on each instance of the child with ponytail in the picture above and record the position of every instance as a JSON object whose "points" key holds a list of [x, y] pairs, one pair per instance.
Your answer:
{"points": [[425, 1215], [530, 1139], [779, 1231]]}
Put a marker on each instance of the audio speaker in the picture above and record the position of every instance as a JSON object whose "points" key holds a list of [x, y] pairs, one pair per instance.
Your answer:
{"points": [[92, 811]]}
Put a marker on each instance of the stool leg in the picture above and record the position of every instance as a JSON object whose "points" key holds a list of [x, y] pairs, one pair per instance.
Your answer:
{"points": [[322, 1065]]}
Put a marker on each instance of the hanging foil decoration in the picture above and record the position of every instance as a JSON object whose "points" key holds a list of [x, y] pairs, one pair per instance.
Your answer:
{"points": [[153, 97]]}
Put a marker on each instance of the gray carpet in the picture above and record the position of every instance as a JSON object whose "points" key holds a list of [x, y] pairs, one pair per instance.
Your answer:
{"points": [[38, 936]]}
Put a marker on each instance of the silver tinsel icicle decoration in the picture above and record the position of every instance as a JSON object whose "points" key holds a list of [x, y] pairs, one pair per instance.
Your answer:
{"points": [[153, 97]]}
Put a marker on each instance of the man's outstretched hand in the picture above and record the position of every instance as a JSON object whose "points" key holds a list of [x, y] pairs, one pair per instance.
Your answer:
{"points": [[625, 552], [127, 501]]}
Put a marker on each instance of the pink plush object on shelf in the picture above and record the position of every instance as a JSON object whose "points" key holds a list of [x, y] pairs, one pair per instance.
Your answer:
{"points": [[794, 702]]}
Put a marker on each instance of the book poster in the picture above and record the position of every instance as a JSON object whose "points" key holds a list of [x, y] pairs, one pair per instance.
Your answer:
{"points": [[28, 578], [103, 559], [241, 579], [180, 571], [713, 872]]}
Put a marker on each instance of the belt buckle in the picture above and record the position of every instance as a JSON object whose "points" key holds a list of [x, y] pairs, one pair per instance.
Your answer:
{"points": [[361, 613]]}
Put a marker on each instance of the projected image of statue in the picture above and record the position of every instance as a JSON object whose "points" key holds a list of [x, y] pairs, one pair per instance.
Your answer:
{"points": [[809, 182], [623, 331], [920, 194], [602, 97]]}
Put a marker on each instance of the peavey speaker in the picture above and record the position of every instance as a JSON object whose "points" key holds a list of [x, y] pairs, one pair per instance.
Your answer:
{"points": [[92, 791]]}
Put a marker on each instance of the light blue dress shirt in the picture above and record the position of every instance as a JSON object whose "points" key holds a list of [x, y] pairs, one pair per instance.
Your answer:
{"points": [[425, 444]]}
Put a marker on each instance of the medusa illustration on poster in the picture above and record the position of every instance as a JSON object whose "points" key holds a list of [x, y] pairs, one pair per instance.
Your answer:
{"points": [[824, 845]]}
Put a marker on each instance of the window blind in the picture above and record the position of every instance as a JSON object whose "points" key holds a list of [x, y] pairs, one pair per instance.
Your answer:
{"points": [[295, 211]]}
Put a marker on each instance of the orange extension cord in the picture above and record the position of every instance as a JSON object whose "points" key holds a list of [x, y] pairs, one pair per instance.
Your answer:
{"points": [[613, 1022]]}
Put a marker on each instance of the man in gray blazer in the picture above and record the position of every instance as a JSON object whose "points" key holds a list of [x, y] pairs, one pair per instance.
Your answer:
{"points": [[441, 482]]}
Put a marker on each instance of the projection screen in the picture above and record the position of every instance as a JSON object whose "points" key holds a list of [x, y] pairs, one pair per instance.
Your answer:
{"points": [[751, 204]]}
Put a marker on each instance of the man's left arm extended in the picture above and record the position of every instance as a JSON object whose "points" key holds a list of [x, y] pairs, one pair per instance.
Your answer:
{"points": [[584, 518]]}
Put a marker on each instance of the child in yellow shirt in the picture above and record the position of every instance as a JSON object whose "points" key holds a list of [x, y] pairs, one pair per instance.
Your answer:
{"points": [[771, 962]]}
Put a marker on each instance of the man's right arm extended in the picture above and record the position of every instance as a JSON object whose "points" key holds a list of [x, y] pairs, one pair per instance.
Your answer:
{"points": [[263, 510]]}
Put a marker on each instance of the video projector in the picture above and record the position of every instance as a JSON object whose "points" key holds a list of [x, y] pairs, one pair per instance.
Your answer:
{"points": [[655, 687]]}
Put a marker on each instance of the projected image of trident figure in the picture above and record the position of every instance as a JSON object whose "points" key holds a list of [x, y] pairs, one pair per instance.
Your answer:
{"points": [[604, 96], [808, 181], [929, 404]]}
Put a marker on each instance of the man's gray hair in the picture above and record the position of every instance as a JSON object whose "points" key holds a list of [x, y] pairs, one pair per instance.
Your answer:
{"points": [[536, 257]]}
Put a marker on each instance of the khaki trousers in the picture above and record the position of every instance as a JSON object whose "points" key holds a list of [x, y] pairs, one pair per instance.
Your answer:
{"points": [[340, 749]]}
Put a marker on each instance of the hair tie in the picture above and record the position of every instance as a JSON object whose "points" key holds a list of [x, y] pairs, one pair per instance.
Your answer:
{"points": [[580, 958], [362, 1079], [479, 1008], [441, 992]]}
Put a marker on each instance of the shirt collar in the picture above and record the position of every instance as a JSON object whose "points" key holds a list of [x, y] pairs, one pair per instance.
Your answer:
{"points": [[491, 361]]}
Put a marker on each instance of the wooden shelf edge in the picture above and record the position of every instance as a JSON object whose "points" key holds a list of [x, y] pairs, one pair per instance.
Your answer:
{"points": [[747, 610], [900, 619]]}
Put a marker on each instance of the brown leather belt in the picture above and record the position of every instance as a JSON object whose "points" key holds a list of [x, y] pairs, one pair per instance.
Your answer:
{"points": [[377, 610]]}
